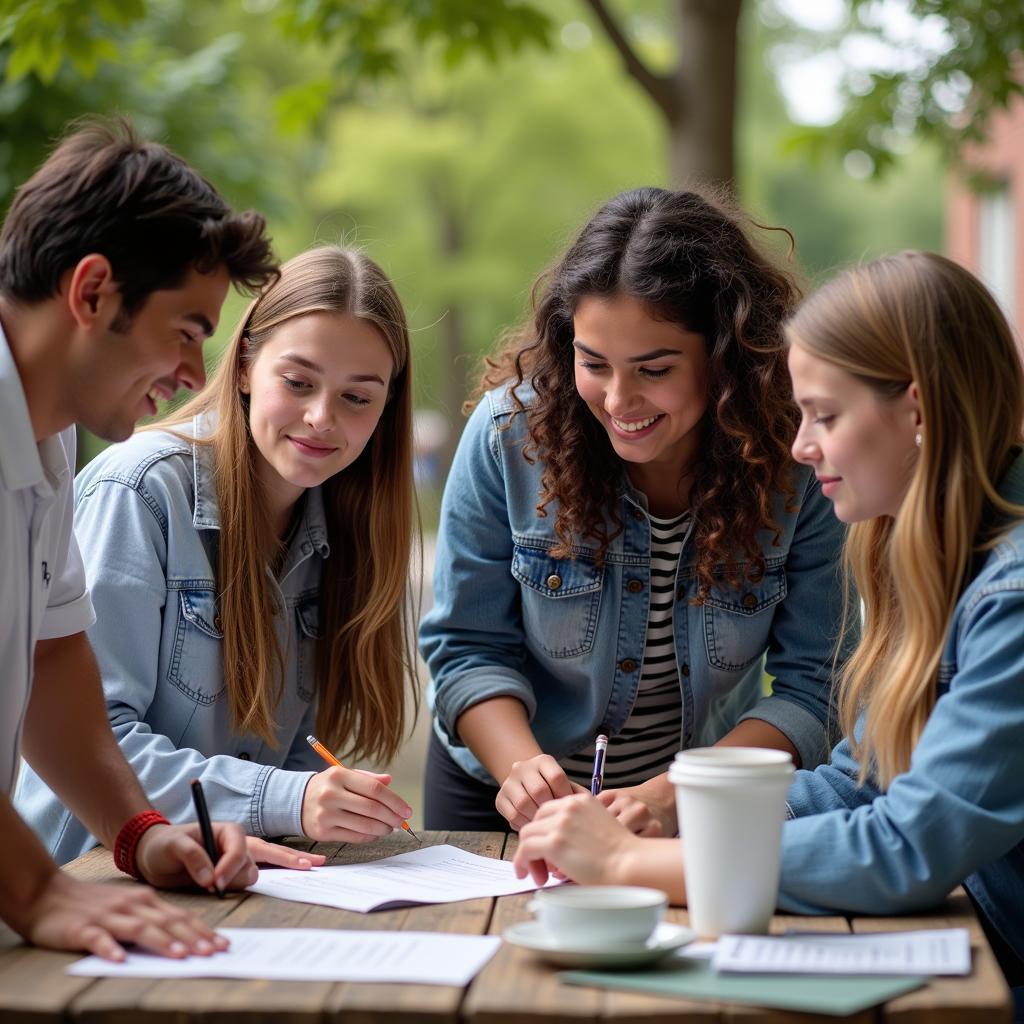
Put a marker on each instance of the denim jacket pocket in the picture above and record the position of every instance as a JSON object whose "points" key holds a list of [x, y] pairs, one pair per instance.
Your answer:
{"points": [[560, 598], [737, 619], [307, 613], [196, 660]]}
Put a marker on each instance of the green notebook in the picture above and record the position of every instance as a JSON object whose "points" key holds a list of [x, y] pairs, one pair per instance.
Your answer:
{"points": [[691, 979]]}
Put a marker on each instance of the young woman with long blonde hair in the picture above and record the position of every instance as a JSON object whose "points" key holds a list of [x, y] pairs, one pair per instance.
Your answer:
{"points": [[912, 394], [250, 559]]}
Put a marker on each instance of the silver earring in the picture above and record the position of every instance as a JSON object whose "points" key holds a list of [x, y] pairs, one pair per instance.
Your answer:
{"points": [[918, 439]]}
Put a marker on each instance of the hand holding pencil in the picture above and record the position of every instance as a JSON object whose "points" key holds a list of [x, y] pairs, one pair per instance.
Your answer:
{"points": [[351, 806]]}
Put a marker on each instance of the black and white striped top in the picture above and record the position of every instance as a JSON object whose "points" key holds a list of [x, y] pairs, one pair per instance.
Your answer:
{"points": [[653, 732]]}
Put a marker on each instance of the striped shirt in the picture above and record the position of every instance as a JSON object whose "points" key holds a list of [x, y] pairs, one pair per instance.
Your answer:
{"points": [[653, 732]]}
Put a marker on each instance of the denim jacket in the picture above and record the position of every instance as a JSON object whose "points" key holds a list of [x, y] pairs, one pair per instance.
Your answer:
{"points": [[957, 815], [566, 637], [146, 518]]}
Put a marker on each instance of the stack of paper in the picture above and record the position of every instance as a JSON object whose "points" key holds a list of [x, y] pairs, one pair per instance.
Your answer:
{"points": [[941, 951]]}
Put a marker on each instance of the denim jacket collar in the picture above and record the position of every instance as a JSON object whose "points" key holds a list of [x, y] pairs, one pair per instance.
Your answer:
{"points": [[312, 533]]}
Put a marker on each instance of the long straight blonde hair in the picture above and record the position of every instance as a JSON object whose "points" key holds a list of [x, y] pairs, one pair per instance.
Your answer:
{"points": [[919, 317], [365, 660]]}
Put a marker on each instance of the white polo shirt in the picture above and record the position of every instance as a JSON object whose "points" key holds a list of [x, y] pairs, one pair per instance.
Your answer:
{"points": [[42, 582]]}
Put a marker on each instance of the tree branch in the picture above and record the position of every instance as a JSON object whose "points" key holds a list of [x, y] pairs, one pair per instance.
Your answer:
{"points": [[658, 87]]}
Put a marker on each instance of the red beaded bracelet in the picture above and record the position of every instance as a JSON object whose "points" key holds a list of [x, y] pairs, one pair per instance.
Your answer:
{"points": [[127, 841]]}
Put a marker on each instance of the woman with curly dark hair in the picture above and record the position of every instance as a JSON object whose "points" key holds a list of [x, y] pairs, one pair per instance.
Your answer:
{"points": [[624, 536]]}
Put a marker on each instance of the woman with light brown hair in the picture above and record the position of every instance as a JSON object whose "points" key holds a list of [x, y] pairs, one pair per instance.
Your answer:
{"points": [[625, 545], [249, 558]]}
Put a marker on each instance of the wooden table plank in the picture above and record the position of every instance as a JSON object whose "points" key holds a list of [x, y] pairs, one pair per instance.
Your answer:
{"points": [[514, 988], [982, 997]]}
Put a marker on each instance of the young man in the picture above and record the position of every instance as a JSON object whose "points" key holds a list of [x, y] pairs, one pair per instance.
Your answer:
{"points": [[115, 259]]}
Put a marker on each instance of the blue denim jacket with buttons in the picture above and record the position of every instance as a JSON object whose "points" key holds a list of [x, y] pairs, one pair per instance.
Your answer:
{"points": [[566, 637], [957, 815], [146, 519]]}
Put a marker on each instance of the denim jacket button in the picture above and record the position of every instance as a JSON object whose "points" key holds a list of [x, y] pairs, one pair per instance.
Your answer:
{"points": [[680, 593], [243, 756], [686, 668], [637, 514], [749, 600], [635, 586], [554, 581], [627, 665]]}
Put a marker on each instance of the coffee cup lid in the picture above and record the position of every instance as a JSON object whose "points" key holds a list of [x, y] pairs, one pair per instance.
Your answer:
{"points": [[728, 763]]}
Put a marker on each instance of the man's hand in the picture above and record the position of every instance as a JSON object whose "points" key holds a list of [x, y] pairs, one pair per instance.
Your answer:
{"points": [[172, 856], [530, 784], [73, 915], [649, 809]]}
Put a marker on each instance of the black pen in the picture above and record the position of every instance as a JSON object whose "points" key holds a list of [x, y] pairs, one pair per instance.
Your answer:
{"points": [[600, 746], [203, 817]]}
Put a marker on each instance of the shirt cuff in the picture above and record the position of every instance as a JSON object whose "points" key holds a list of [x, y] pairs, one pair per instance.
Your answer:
{"points": [[67, 619], [281, 811], [803, 729], [460, 693]]}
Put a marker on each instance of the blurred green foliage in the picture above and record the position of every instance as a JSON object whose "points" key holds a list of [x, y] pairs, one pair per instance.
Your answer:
{"points": [[462, 175]]}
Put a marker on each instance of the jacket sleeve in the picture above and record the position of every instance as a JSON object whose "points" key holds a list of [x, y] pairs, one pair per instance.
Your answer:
{"points": [[801, 655], [122, 532], [958, 807], [472, 639]]}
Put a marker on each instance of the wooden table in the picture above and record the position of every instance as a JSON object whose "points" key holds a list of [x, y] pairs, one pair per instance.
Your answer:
{"points": [[513, 988]]}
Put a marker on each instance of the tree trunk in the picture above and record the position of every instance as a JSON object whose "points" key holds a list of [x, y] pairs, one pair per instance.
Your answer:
{"points": [[451, 242], [702, 124], [697, 99]]}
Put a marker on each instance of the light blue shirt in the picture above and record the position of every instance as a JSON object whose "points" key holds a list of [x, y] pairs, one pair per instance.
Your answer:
{"points": [[957, 815], [566, 637], [146, 517]]}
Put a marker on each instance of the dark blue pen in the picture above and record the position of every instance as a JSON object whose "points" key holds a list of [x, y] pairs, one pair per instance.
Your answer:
{"points": [[205, 828], [600, 746]]}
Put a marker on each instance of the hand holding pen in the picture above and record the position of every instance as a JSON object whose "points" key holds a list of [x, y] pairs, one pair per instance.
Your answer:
{"points": [[346, 805], [206, 829]]}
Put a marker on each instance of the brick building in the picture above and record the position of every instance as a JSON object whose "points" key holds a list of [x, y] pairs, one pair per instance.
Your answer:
{"points": [[985, 224]]}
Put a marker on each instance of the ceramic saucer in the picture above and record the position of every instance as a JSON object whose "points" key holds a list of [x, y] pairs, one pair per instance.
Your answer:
{"points": [[666, 938]]}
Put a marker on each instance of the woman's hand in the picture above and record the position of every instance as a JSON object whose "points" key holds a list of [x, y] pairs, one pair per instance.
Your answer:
{"points": [[172, 856], [347, 805], [278, 856], [578, 838], [649, 809], [529, 784]]}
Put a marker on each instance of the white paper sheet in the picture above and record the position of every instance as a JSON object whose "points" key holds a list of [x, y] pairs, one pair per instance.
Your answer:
{"points": [[432, 874], [315, 954], [940, 951]]}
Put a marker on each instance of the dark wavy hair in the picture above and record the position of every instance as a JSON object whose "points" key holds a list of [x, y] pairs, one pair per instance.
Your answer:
{"points": [[688, 257]]}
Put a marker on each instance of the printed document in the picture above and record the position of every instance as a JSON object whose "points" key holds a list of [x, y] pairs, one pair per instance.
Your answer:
{"points": [[939, 951], [432, 874], [316, 954]]}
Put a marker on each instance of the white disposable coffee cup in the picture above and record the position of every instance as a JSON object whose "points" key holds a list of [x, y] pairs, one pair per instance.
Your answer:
{"points": [[731, 803], [599, 916]]}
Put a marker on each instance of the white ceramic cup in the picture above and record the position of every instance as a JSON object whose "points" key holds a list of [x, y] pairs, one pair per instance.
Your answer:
{"points": [[599, 916], [731, 803]]}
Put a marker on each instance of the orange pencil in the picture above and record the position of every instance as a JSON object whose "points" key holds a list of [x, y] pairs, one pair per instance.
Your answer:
{"points": [[331, 759]]}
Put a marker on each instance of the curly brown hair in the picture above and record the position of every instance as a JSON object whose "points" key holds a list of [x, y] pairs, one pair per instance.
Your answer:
{"points": [[688, 257]]}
